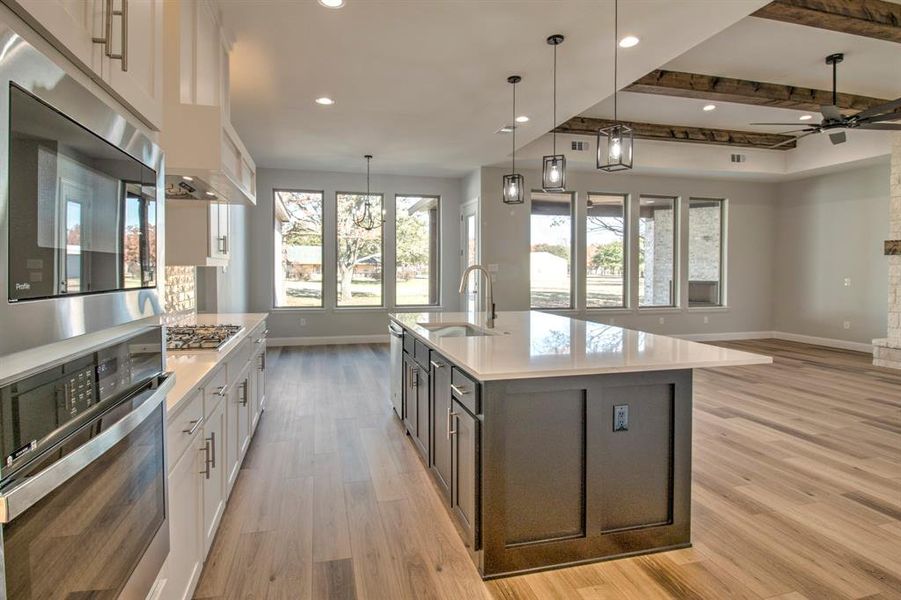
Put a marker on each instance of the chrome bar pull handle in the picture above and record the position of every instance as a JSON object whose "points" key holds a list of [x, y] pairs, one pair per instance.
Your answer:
{"points": [[123, 14], [212, 439], [243, 400], [458, 391], [451, 432], [206, 460], [105, 25], [195, 423]]}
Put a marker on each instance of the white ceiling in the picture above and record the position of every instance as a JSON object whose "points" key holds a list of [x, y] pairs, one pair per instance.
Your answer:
{"points": [[421, 85]]}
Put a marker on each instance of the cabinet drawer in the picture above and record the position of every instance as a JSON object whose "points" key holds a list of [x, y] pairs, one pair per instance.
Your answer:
{"points": [[409, 342], [421, 354], [258, 337], [183, 427], [465, 390], [238, 359], [214, 391]]}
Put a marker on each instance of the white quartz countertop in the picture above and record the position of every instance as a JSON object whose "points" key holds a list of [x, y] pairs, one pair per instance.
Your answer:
{"points": [[531, 344], [192, 368]]}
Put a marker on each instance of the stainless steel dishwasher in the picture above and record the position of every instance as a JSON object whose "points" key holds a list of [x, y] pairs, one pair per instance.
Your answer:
{"points": [[397, 367]]}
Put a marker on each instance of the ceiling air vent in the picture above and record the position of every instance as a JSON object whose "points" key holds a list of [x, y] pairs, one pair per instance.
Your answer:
{"points": [[579, 145], [739, 158]]}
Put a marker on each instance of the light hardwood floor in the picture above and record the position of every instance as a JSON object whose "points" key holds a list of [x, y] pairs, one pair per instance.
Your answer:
{"points": [[796, 492]]}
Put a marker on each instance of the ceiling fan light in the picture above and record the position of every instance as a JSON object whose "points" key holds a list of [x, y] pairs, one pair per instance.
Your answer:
{"points": [[614, 146]]}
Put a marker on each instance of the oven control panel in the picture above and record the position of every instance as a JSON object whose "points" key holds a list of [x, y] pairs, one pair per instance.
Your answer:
{"points": [[77, 393]]}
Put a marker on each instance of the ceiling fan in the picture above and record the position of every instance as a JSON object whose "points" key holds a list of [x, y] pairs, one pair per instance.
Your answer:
{"points": [[833, 119]]}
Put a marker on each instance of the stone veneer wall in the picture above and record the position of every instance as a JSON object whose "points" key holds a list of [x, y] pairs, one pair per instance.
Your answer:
{"points": [[887, 352], [181, 289]]}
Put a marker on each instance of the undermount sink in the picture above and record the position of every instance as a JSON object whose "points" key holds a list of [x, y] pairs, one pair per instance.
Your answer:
{"points": [[455, 330]]}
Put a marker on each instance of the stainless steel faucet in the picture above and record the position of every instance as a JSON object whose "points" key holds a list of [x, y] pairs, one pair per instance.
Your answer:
{"points": [[465, 279]]}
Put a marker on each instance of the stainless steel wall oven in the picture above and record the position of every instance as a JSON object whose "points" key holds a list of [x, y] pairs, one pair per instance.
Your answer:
{"points": [[81, 191], [83, 501]]}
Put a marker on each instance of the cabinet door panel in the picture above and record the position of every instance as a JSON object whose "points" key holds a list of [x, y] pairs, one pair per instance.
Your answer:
{"points": [[441, 424], [232, 436], [186, 485], [465, 478], [214, 473], [137, 76], [243, 411], [72, 25], [410, 400], [423, 398]]}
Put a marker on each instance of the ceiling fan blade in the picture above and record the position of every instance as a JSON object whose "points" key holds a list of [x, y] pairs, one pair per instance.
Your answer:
{"points": [[887, 107], [882, 126], [895, 116], [794, 139], [782, 124], [838, 137], [831, 112]]}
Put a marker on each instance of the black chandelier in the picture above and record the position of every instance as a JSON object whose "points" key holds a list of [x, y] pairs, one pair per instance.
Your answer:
{"points": [[365, 219]]}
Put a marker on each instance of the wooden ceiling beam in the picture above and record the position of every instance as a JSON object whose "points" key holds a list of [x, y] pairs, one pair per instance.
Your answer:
{"points": [[679, 133], [743, 91], [869, 18]]}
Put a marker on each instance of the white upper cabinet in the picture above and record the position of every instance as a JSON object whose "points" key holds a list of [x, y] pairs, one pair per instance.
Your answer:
{"points": [[119, 43], [133, 65], [199, 139]]}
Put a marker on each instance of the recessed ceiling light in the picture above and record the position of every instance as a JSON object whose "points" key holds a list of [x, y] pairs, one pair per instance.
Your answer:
{"points": [[709, 107], [522, 119], [325, 101], [628, 41], [332, 3], [805, 117], [506, 129], [186, 178], [211, 194]]}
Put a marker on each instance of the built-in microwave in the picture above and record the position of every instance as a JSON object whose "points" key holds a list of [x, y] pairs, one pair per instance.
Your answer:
{"points": [[82, 212], [81, 205]]}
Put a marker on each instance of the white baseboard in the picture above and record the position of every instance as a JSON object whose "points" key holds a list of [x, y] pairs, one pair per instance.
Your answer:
{"points": [[726, 336], [328, 340], [779, 335], [821, 341]]}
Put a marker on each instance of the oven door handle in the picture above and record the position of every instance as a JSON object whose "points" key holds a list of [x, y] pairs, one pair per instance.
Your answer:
{"points": [[23, 496]]}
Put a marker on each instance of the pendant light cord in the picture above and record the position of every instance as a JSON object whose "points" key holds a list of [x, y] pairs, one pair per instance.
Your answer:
{"points": [[514, 128], [554, 128], [615, 54]]}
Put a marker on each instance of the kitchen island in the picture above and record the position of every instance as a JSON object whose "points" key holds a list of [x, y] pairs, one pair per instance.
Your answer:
{"points": [[555, 441]]}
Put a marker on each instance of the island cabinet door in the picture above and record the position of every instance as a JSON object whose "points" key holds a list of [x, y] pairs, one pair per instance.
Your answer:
{"points": [[411, 379], [423, 399], [441, 423], [465, 471], [186, 521], [214, 472]]}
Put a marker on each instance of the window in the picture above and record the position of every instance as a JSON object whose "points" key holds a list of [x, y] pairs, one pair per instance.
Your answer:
{"points": [[605, 256], [656, 251], [551, 250], [359, 256], [298, 249], [705, 252], [416, 250]]}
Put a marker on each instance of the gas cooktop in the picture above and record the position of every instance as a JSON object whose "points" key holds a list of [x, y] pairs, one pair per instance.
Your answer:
{"points": [[199, 337]]}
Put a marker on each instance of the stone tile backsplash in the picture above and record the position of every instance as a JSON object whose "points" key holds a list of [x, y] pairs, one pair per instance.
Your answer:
{"points": [[181, 289]]}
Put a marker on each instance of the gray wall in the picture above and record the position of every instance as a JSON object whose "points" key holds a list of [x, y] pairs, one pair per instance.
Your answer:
{"points": [[329, 321], [829, 228], [749, 260]]}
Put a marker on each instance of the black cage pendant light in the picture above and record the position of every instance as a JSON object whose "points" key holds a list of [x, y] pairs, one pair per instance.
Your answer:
{"points": [[513, 183], [364, 218], [553, 167], [615, 142]]}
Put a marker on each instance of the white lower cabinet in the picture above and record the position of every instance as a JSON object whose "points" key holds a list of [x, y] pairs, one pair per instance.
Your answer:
{"points": [[186, 485], [214, 471], [207, 439]]}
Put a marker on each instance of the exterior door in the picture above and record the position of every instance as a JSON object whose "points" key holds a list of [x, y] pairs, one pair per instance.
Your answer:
{"points": [[469, 254]]}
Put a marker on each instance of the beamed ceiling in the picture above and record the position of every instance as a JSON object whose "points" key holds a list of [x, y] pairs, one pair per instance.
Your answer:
{"points": [[873, 19]]}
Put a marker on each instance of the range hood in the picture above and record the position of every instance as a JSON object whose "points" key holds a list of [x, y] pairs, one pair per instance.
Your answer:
{"points": [[205, 157]]}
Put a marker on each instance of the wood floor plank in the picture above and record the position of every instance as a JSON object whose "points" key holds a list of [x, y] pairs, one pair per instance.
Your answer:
{"points": [[796, 492]]}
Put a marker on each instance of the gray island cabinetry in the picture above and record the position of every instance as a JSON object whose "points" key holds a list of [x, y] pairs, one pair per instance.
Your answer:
{"points": [[554, 441]]}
